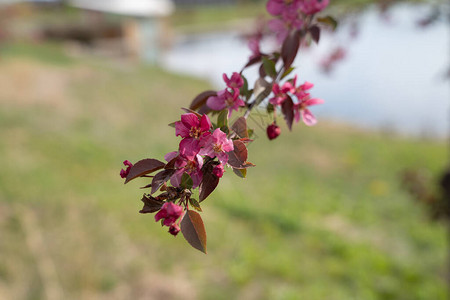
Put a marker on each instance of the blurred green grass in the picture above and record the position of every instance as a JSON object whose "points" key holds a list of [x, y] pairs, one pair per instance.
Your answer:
{"points": [[322, 216]]}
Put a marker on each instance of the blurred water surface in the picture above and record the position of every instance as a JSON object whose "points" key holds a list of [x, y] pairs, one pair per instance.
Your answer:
{"points": [[393, 76]]}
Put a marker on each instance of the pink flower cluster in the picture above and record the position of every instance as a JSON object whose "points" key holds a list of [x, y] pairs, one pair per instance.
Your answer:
{"points": [[303, 99], [291, 14], [198, 140], [170, 213], [229, 97]]}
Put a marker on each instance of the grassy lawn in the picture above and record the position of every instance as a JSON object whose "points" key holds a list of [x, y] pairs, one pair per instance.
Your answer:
{"points": [[322, 216]]}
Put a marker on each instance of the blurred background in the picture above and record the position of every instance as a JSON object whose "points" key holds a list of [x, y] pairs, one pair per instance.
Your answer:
{"points": [[85, 85]]}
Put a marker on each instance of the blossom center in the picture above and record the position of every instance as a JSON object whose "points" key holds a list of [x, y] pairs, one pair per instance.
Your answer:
{"points": [[195, 132], [229, 101], [287, 2], [191, 166], [217, 148]]}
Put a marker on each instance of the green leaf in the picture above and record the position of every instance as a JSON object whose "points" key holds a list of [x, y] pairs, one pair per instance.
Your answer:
{"points": [[143, 167], [240, 172], [270, 108], [269, 67], [328, 20], [287, 72], [194, 203], [244, 91], [186, 181], [222, 118], [193, 230]]}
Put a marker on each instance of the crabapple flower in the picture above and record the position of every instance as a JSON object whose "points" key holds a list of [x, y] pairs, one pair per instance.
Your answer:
{"points": [[218, 145], [191, 129], [254, 46], [300, 91], [225, 99], [124, 173], [218, 170], [282, 27], [273, 131], [174, 229], [280, 93], [235, 82], [193, 167], [277, 7], [310, 7], [170, 212], [301, 109]]}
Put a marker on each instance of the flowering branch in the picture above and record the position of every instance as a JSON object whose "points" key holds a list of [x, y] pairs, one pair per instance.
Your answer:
{"points": [[206, 149]]}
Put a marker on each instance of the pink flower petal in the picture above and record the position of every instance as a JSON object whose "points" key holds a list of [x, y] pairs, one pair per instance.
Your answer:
{"points": [[190, 120], [216, 103], [314, 101], [308, 117], [189, 147]]}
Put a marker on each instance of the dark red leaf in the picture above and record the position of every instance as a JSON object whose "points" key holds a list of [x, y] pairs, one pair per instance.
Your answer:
{"points": [[315, 33], [201, 98], [209, 181], [160, 178], [238, 157], [190, 111], [204, 109], [143, 167], [287, 108], [240, 127], [289, 48], [151, 204], [193, 230], [252, 61], [171, 163]]}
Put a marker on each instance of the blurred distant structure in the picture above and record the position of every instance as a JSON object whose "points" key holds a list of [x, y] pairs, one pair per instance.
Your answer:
{"points": [[135, 29], [204, 2], [142, 23]]}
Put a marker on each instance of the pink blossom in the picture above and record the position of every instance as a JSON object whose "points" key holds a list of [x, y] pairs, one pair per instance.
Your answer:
{"points": [[282, 27], [225, 99], [218, 145], [170, 212], [218, 170], [192, 129], [300, 91], [301, 108], [174, 229], [254, 46], [192, 166], [310, 7], [273, 131], [235, 82], [124, 173], [280, 93], [276, 7]]}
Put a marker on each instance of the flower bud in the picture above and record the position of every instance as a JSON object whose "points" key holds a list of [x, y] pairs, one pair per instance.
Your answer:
{"points": [[218, 170], [273, 131], [174, 229]]}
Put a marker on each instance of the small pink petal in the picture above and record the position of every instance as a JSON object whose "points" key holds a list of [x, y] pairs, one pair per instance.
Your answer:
{"points": [[308, 117], [314, 101], [190, 120]]}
